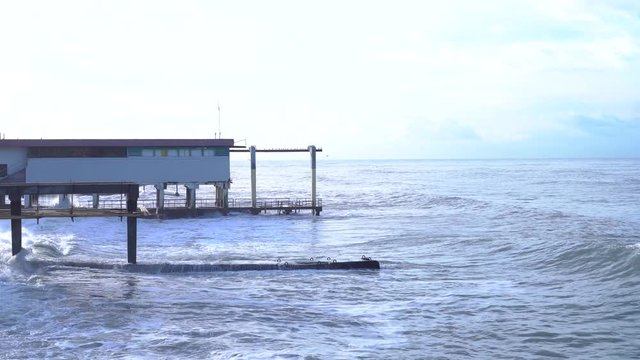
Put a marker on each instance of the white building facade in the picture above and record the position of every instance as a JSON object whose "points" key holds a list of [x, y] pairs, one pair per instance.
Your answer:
{"points": [[140, 161]]}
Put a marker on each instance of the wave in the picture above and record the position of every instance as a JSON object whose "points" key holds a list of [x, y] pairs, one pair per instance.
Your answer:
{"points": [[602, 260]]}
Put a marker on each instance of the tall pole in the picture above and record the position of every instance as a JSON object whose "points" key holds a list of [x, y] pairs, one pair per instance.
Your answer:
{"points": [[312, 151], [252, 150], [219, 129]]}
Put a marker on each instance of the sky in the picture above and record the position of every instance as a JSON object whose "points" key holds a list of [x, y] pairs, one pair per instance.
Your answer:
{"points": [[361, 79]]}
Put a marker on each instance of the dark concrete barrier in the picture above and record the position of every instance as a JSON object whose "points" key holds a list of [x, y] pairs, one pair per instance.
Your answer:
{"points": [[194, 268]]}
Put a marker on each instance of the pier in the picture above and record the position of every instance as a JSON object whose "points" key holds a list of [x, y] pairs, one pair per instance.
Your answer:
{"points": [[33, 169]]}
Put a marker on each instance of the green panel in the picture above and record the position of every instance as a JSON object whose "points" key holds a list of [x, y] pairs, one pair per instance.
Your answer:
{"points": [[134, 151]]}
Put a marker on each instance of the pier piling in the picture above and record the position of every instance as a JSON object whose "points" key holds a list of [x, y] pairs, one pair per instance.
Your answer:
{"points": [[28, 201], [132, 240], [312, 151], [159, 197], [16, 223], [252, 150], [191, 195], [132, 224]]}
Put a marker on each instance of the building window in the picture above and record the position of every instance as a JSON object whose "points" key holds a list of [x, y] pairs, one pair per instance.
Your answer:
{"points": [[134, 151], [220, 151], [148, 152], [77, 152]]}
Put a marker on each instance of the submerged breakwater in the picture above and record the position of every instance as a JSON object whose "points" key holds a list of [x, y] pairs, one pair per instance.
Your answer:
{"points": [[479, 259]]}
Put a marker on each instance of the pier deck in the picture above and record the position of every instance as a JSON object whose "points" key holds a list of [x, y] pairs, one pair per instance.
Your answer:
{"points": [[5, 214]]}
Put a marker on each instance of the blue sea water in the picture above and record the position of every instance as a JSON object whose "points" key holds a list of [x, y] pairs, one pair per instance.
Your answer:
{"points": [[496, 259]]}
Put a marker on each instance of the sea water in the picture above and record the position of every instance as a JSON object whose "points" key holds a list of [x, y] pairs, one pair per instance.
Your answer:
{"points": [[480, 259]]}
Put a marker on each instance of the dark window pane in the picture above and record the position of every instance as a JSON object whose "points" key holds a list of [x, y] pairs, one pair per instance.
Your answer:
{"points": [[77, 152]]}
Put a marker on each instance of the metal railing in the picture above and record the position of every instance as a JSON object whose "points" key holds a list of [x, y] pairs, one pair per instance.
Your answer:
{"points": [[274, 203], [262, 203]]}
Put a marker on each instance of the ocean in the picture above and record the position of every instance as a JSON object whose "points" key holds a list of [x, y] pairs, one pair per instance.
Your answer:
{"points": [[480, 259]]}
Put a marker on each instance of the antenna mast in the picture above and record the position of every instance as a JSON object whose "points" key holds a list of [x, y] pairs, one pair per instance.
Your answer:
{"points": [[219, 131]]}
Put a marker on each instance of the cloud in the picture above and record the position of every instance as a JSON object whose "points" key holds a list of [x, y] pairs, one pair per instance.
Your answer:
{"points": [[411, 79], [612, 128]]}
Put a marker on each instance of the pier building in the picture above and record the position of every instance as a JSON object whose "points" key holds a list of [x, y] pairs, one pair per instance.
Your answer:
{"points": [[156, 162]]}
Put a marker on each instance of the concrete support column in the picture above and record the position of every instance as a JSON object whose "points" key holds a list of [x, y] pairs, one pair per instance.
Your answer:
{"points": [[63, 201], [191, 195], [252, 150], [312, 151], [159, 196], [96, 201], [225, 194], [16, 224], [27, 201], [3, 200], [222, 194], [132, 224], [218, 194]]}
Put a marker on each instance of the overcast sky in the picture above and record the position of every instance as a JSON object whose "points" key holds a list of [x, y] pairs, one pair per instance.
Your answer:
{"points": [[362, 79]]}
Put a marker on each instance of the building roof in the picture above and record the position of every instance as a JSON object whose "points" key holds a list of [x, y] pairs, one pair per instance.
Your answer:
{"points": [[117, 142]]}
